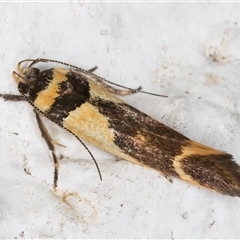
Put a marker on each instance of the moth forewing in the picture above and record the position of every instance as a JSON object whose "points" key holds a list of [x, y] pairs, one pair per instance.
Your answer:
{"points": [[82, 103]]}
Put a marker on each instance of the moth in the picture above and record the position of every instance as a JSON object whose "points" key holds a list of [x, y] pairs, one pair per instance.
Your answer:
{"points": [[82, 103]]}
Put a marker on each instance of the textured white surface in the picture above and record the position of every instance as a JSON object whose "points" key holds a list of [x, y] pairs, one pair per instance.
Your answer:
{"points": [[187, 51]]}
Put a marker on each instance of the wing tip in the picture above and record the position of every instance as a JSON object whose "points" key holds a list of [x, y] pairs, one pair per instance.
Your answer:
{"points": [[217, 172]]}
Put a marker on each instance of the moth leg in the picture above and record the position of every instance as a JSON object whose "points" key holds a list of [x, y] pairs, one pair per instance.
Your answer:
{"points": [[121, 92], [111, 89], [101, 81], [12, 97], [93, 69], [167, 177], [50, 143], [43, 129]]}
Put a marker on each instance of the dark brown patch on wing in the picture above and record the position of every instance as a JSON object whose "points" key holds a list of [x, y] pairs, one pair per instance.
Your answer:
{"points": [[142, 137], [73, 93], [42, 81], [217, 172]]}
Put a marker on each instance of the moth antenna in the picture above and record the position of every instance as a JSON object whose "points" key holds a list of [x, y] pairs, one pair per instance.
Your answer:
{"points": [[93, 158], [91, 70]]}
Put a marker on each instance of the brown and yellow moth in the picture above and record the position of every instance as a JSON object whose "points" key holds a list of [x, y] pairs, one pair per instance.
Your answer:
{"points": [[83, 104]]}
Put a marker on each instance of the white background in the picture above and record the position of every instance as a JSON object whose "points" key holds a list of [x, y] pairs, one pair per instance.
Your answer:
{"points": [[188, 51]]}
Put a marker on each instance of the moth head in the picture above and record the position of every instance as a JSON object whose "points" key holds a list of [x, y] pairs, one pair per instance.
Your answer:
{"points": [[27, 75]]}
